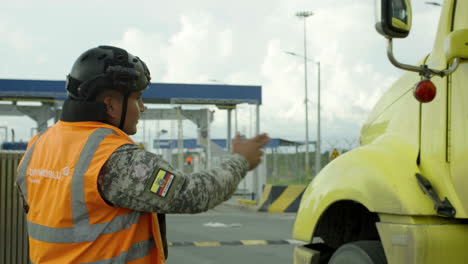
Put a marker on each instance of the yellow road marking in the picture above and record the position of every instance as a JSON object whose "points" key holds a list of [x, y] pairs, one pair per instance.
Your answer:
{"points": [[254, 242], [207, 244], [246, 202]]}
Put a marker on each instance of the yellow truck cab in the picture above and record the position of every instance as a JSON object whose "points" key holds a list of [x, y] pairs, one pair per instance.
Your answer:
{"points": [[402, 196]]}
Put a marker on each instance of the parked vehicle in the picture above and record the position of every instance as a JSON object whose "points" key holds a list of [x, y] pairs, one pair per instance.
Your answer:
{"points": [[401, 197]]}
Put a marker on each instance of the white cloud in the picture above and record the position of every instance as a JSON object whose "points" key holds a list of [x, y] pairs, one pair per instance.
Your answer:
{"points": [[350, 85], [225, 42], [18, 49], [199, 50], [14, 38], [283, 86]]}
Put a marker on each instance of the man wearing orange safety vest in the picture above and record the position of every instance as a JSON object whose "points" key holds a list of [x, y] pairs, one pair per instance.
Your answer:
{"points": [[91, 194]]}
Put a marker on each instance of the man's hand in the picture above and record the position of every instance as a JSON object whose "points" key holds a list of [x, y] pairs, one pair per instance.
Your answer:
{"points": [[251, 148]]}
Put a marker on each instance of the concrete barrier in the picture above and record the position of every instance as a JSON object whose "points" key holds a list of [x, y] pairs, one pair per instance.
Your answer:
{"points": [[281, 198]]}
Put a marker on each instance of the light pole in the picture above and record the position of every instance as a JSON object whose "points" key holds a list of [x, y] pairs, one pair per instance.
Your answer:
{"points": [[304, 15], [318, 154], [318, 159]]}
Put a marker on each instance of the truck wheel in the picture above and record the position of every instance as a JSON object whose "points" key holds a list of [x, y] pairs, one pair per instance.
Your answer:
{"points": [[359, 252]]}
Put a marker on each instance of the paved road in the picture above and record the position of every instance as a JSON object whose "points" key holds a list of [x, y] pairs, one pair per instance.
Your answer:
{"points": [[228, 223]]}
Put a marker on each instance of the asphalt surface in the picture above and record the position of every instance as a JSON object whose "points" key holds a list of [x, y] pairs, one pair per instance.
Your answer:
{"points": [[228, 223]]}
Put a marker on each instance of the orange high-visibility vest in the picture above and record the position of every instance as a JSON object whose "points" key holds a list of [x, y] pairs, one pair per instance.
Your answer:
{"points": [[68, 221]]}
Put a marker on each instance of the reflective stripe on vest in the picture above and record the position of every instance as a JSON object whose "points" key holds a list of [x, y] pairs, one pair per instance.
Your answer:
{"points": [[21, 178], [136, 251], [82, 231]]}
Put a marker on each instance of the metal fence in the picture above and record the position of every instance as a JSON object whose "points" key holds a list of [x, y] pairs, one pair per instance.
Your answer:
{"points": [[286, 165], [13, 234]]}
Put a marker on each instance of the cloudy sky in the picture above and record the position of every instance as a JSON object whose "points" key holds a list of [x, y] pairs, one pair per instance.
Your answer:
{"points": [[233, 42]]}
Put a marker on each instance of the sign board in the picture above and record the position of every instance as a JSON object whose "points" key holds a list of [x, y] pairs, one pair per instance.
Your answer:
{"points": [[159, 143], [334, 154]]}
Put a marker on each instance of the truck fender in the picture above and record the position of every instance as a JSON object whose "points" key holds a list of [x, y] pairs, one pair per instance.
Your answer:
{"points": [[380, 176]]}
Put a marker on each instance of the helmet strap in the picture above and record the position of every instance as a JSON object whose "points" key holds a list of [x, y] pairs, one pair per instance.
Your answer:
{"points": [[124, 110]]}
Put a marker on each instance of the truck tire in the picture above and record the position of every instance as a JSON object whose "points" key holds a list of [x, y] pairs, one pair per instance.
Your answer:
{"points": [[359, 252]]}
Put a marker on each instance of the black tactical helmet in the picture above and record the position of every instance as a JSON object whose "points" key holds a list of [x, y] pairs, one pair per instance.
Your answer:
{"points": [[106, 67], [97, 69]]}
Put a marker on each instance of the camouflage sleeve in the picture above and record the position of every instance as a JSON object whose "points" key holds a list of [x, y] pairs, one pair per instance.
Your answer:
{"points": [[136, 179]]}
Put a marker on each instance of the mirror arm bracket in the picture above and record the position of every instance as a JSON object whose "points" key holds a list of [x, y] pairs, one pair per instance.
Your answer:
{"points": [[398, 64], [451, 69], [423, 70]]}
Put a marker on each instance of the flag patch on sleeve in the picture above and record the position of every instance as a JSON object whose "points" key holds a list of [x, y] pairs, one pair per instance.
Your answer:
{"points": [[162, 183]]}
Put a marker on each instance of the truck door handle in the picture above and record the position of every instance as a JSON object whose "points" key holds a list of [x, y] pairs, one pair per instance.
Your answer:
{"points": [[444, 208]]}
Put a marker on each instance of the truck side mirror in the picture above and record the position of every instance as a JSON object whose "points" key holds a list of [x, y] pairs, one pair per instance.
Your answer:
{"points": [[456, 45], [393, 18]]}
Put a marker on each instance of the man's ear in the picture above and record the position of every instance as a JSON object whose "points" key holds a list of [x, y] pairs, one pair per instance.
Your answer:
{"points": [[112, 108]]}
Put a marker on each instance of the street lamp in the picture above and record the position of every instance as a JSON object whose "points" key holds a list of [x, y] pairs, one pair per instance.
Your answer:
{"points": [[304, 15], [432, 3], [318, 160]]}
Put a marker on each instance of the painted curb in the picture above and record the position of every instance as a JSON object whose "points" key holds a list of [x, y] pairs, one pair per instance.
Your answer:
{"points": [[281, 198]]}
